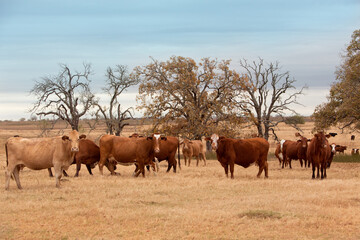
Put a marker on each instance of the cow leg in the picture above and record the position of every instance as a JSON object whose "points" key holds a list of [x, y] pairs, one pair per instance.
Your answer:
{"points": [[189, 161], [266, 169], [58, 175], [169, 167], [16, 175], [261, 168], [157, 164], [197, 161], [50, 172], [65, 173], [204, 158], [88, 166], [8, 173], [78, 167], [313, 170], [232, 170], [226, 168], [318, 173], [301, 162], [290, 164]]}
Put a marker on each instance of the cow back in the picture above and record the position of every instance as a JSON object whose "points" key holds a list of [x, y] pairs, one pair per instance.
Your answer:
{"points": [[40, 153]]}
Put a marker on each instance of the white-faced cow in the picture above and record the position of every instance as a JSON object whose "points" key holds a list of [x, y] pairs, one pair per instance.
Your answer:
{"points": [[243, 152], [40, 153]]}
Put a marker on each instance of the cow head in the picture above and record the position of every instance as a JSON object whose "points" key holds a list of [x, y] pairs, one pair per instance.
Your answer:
{"points": [[186, 144], [73, 138], [333, 146], [156, 138], [321, 140], [302, 140], [214, 141]]}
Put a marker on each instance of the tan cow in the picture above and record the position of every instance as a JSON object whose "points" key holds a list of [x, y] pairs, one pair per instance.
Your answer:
{"points": [[129, 150], [40, 153], [193, 148]]}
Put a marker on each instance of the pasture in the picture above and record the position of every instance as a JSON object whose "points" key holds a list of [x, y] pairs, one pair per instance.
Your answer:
{"points": [[195, 203]]}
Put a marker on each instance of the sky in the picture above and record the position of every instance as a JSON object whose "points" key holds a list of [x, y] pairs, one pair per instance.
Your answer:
{"points": [[307, 37]]}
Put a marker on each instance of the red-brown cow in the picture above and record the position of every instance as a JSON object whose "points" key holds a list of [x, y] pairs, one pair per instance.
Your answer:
{"points": [[40, 153], [295, 150], [167, 152], [340, 149], [318, 153], [129, 150], [243, 152], [193, 148]]}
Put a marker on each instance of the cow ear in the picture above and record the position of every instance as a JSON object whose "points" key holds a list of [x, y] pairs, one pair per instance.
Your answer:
{"points": [[65, 138], [298, 141], [297, 134], [83, 136], [208, 139], [149, 138], [164, 138], [222, 137], [190, 142], [327, 135]]}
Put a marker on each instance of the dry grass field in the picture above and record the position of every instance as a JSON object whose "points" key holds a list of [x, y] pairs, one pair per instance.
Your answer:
{"points": [[195, 203]]}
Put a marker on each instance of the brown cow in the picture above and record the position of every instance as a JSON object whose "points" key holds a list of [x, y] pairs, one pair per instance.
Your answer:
{"points": [[340, 149], [295, 150], [318, 153], [193, 148], [167, 152], [243, 152], [40, 153], [129, 150]]}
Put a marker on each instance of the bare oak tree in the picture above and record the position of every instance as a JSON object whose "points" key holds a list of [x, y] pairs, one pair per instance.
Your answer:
{"points": [[117, 82], [266, 92], [66, 95], [184, 97]]}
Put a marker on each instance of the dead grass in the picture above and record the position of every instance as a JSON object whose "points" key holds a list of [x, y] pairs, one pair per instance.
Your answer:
{"points": [[195, 203]]}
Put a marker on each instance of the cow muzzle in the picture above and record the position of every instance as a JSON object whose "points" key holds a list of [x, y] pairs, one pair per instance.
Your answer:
{"points": [[157, 150], [74, 149]]}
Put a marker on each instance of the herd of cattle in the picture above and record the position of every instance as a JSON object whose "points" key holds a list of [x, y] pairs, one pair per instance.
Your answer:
{"points": [[60, 152]]}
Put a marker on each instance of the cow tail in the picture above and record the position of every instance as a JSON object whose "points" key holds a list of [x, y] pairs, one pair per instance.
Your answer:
{"points": [[179, 153], [6, 153]]}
